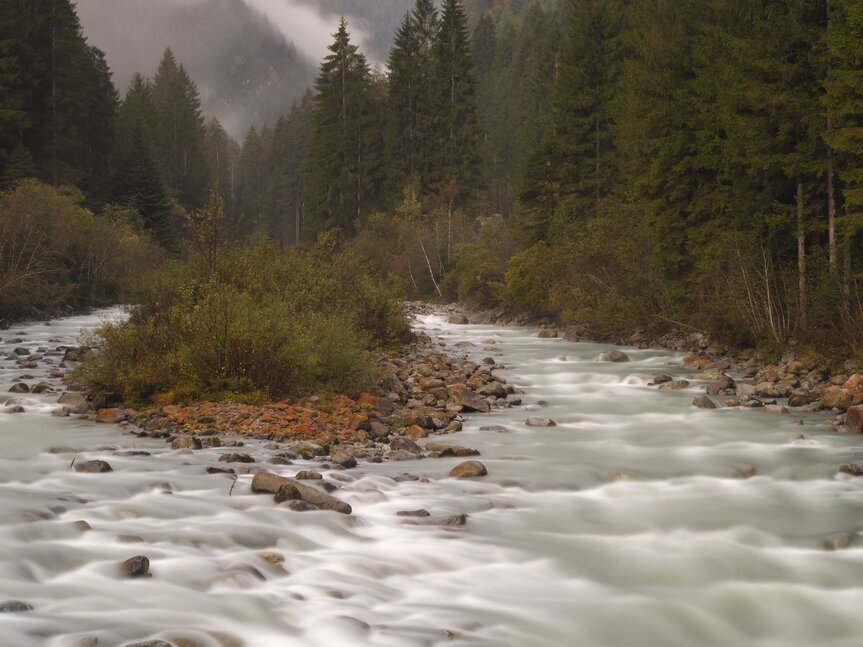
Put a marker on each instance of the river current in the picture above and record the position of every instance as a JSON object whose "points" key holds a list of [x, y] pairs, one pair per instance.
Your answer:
{"points": [[637, 521]]}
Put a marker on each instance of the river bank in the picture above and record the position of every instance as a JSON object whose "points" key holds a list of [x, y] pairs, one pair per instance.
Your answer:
{"points": [[571, 527], [785, 384]]}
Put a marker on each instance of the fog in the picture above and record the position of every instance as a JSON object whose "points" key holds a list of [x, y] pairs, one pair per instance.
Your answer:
{"points": [[249, 58]]}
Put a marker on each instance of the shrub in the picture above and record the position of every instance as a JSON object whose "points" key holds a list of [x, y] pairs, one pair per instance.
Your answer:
{"points": [[249, 322]]}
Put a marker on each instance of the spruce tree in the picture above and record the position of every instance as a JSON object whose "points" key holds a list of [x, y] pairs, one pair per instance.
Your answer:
{"points": [[345, 145], [180, 132], [221, 165], [405, 86], [456, 128]]}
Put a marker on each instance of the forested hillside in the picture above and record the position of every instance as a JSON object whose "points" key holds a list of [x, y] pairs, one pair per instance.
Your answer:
{"points": [[613, 164]]}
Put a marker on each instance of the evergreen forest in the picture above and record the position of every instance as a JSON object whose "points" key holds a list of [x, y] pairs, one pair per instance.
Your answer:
{"points": [[609, 164]]}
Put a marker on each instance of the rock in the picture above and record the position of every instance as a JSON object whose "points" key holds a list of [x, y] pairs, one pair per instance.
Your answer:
{"points": [[677, 385], [72, 398], [492, 389], [539, 421], [288, 492], [775, 408], [309, 475], [302, 506], [42, 387], [703, 402], [839, 398], [854, 469], [454, 520], [468, 469], [137, 566], [720, 385], [461, 395], [15, 606], [93, 467], [149, 643], [660, 378], [186, 442], [110, 416], [547, 333], [612, 356], [220, 470], [21, 351], [854, 419], [236, 458], [345, 458], [498, 428], [268, 482], [451, 450], [403, 443], [413, 513], [745, 390], [458, 320], [19, 387], [15, 408], [415, 432]]}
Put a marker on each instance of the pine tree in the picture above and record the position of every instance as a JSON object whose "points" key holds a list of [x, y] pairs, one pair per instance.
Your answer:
{"points": [[138, 179], [406, 71], [58, 103], [221, 165], [180, 132], [345, 145], [455, 101], [574, 168]]}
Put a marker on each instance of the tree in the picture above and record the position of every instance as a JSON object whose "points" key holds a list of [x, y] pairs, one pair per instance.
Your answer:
{"points": [[455, 101], [574, 168], [138, 180], [180, 132], [344, 148]]}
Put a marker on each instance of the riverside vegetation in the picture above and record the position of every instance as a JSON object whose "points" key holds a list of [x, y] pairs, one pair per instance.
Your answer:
{"points": [[611, 165]]}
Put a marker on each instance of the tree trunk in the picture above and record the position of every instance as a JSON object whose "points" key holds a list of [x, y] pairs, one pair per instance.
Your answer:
{"points": [[801, 258]]}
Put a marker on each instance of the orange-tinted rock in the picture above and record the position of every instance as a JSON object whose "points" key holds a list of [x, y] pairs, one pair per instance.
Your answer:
{"points": [[854, 419], [110, 416]]}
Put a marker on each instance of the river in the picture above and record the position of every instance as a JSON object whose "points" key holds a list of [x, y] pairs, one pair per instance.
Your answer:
{"points": [[637, 521]]}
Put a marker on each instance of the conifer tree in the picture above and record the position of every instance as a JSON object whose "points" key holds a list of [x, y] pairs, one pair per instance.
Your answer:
{"points": [[221, 165], [180, 132], [456, 119], [138, 179], [344, 147]]}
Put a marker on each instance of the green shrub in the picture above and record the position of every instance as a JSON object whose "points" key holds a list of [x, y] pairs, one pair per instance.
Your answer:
{"points": [[249, 323]]}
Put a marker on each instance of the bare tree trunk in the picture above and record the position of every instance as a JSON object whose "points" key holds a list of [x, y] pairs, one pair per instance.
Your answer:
{"points": [[801, 257], [428, 262], [831, 210], [449, 231]]}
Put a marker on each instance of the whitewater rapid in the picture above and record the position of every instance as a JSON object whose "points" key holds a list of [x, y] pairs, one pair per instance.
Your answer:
{"points": [[638, 521]]}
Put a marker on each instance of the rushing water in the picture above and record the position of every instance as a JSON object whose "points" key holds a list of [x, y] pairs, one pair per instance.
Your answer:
{"points": [[637, 521]]}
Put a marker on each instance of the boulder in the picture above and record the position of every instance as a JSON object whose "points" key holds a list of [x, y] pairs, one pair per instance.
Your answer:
{"points": [[42, 387], [272, 483], [492, 389], [149, 643], [15, 408], [451, 450], [186, 442], [454, 520], [547, 333], [413, 513], [458, 320], [703, 402], [461, 395], [137, 566], [344, 457], [309, 475], [612, 356], [720, 385], [110, 416], [93, 467], [15, 606], [19, 387], [468, 469], [854, 419], [404, 443], [236, 458], [538, 421], [676, 385], [854, 469], [660, 378], [287, 492]]}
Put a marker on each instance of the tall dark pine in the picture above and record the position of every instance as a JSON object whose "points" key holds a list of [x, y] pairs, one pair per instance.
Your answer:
{"points": [[290, 138], [180, 132], [405, 85], [574, 167], [221, 165], [344, 149], [138, 180], [456, 123], [57, 102]]}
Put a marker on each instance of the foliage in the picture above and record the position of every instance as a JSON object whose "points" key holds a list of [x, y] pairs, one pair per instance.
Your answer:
{"points": [[249, 320], [56, 255]]}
